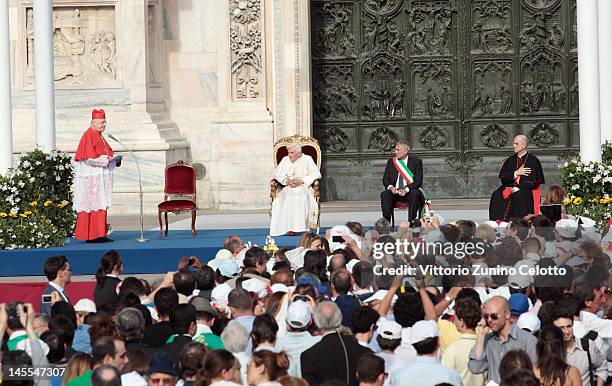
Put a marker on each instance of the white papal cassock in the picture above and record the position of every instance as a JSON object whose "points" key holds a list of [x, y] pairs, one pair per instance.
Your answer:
{"points": [[295, 209]]}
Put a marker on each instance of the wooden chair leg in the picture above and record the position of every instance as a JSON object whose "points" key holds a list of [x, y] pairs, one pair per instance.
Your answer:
{"points": [[166, 218], [159, 212], [193, 221]]}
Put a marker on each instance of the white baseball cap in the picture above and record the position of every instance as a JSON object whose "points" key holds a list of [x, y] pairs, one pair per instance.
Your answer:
{"points": [[423, 329], [528, 321], [389, 329], [85, 305], [299, 314], [567, 228], [279, 287], [257, 286], [518, 280], [219, 294], [351, 264]]}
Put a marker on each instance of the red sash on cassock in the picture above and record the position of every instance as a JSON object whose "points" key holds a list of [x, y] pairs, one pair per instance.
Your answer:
{"points": [[92, 145]]}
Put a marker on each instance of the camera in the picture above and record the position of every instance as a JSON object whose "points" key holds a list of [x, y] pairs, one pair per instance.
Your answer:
{"points": [[337, 239]]}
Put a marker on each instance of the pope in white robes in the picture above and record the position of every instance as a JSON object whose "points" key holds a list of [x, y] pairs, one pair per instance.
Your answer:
{"points": [[295, 209]]}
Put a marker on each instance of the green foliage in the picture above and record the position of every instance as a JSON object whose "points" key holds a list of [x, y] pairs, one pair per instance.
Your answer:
{"points": [[589, 187], [36, 202]]}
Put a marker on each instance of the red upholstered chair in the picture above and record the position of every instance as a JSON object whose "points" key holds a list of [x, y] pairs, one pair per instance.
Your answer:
{"points": [[310, 146], [401, 205], [180, 184]]}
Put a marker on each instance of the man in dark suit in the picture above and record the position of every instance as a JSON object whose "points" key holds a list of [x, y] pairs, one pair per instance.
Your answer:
{"points": [[335, 356], [59, 273], [183, 324], [402, 180]]}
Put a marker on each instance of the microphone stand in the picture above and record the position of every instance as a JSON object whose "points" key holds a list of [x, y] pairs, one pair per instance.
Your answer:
{"points": [[141, 239]]}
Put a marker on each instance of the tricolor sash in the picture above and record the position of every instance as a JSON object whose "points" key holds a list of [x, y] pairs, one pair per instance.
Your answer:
{"points": [[408, 176]]}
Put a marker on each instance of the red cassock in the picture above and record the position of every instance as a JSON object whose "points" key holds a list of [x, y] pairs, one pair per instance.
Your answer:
{"points": [[93, 183]]}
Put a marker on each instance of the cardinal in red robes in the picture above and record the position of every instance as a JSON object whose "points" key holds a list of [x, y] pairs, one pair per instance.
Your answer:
{"points": [[93, 181]]}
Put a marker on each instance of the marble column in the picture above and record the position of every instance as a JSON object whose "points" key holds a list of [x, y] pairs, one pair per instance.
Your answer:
{"points": [[291, 67], [605, 63], [588, 81], [242, 131], [6, 124], [43, 69]]}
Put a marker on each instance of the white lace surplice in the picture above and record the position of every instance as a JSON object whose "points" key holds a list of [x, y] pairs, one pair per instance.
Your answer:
{"points": [[93, 184]]}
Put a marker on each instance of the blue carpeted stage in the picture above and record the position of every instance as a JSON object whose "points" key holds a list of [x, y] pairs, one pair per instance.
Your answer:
{"points": [[156, 256]]}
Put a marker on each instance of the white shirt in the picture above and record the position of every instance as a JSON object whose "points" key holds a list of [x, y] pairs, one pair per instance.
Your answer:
{"points": [[133, 378], [595, 323], [60, 290]]}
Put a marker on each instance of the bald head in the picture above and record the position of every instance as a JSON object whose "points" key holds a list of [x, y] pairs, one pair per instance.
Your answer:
{"points": [[328, 316], [497, 313], [499, 302], [520, 144]]}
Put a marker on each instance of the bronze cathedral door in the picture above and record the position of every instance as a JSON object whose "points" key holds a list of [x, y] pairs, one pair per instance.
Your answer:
{"points": [[458, 79]]}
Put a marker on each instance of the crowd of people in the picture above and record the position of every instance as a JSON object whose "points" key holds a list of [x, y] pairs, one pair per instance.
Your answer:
{"points": [[327, 313]]}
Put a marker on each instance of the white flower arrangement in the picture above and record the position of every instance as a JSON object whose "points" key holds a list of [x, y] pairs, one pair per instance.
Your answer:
{"points": [[35, 201]]}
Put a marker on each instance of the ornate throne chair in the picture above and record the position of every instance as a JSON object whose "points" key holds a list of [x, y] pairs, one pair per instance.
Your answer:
{"points": [[310, 146], [180, 182]]}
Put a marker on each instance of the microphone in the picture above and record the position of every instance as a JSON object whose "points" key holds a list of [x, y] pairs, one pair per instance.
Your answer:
{"points": [[141, 239]]}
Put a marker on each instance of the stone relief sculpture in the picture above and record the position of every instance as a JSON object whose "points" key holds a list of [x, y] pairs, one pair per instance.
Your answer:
{"points": [[463, 163], [492, 93], [542, 3], [574, 98], [334, 96], [494, 136], [433, 137], [83, 53], [491, 22], [381, 27], [542, 89], [333, 28], [383, 139], [102, 52], [430, 27], [539, 32], [336, 140], [384, 87], [153, 45], [30, 44], [245, 44], [432, 91], [543, 134]]}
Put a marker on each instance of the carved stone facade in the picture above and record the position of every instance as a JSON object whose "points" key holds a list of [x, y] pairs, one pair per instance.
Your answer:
{"points": [[85, 48], [209, 80], [245, 43]]}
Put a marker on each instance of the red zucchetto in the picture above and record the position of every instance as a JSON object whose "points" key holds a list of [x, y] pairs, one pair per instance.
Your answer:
{"points": [[98, 114]]}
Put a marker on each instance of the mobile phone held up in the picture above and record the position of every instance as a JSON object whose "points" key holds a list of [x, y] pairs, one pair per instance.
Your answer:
{"points": [[337, 239], [46, 299]]}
